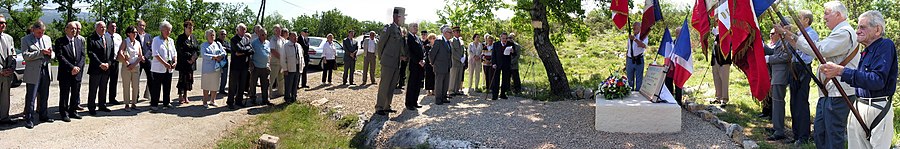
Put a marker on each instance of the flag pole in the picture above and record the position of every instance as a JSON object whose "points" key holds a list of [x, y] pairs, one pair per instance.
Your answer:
{"points": [[821, 59]]}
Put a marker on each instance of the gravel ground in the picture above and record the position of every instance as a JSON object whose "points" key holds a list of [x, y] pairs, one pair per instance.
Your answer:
{"points": [[513, 123], [188, 126]]}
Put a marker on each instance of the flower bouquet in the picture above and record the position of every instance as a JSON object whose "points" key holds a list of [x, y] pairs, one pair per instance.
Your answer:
{"points": [[614, 87]]}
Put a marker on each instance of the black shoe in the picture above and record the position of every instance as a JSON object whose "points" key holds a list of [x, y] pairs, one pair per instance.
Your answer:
{"points": [[232, 107], [66, 119], [390, 111], [74, 116], [417, 106], [223, 92], [776, 137], [504, 97], [47, 120], [411, 108], [105, 110], [113, 102], [29, 124], [493, 99], [92, 113], [352, 83], [380, 113], [79, 108], [304, 87]]}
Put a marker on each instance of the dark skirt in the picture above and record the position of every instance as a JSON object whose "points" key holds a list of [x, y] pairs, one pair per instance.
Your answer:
{"points": [[185, 81], [429, 77]]}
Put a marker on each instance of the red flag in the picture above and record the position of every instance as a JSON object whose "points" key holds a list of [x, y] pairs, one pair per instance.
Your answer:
{"points": [[620, 12], [746, 38], [651, 15], [700, 21]]}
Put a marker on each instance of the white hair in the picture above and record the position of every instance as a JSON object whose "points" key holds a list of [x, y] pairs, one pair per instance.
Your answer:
{"points": [[165, 24], [240, 25], [414, 24], [99, 23], [876, 19], [446, 28], [837, 6], [211, 32]]}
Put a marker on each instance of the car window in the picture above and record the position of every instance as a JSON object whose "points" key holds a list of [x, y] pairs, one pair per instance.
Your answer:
{"points": [[338, 46], [315, 42]]}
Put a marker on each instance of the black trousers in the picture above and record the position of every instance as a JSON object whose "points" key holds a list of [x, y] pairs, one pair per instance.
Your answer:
{"points": [[488, 76], [185, 81], [161, 85], [69, 97], [303, 76], [349, 68], [403, 66], [149, 75], [328, 70], [237, 88], [500, 82], [416, 75], [677, 91], [98, 84], [800, 102], [113, 80]]}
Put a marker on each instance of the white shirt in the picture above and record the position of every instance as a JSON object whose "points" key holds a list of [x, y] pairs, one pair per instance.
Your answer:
{"points": [[277, 45], [116, 41], [165, 49], [328, 50], [635, 50], [835, 48], [131, 51], [370, 45]]}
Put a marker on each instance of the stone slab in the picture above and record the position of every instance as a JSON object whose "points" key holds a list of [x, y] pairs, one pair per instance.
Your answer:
{"points": [[636, 114]]}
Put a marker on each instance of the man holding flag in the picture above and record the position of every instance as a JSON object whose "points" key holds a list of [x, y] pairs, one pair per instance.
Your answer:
{"points": [[678, 59], [634, 64], [838, 47]]}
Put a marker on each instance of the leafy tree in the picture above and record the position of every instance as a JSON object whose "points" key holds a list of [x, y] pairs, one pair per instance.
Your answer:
{"points": [[19, 21]]}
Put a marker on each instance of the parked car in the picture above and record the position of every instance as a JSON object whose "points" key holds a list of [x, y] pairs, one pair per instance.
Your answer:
{"points": [[20, 71], [315, 51]]}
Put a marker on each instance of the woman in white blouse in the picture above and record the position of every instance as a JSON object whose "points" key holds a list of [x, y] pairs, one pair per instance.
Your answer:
{"points": [[475, 62], [130, 54], [328, 53], [162, 65], [213, 54]]}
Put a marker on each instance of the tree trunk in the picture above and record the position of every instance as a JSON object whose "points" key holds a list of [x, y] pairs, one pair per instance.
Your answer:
{"points": [[559, 84]]}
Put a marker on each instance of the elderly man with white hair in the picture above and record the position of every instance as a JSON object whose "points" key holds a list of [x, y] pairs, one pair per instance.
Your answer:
{"points": [[875, 82], [439, 57], [837, 47]]}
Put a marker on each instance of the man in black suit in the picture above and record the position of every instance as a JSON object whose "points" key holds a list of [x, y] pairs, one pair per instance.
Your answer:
{"points": [[304, 43], [100, 55], [416, 67], [70, 50], [350, 47], [240, 64], [501, 57]]}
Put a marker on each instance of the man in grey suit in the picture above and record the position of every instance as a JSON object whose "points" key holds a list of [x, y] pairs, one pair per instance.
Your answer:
{"points": [[440, 58], [392, 50], [457, 70], [7, 68], [780, 74], [350, 47], [37, 53]]}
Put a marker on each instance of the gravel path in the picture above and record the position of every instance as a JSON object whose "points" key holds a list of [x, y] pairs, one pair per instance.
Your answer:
{"points": [[188, 126]]}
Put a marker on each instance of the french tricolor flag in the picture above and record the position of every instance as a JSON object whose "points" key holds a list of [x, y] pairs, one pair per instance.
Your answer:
{"points": [[678, 54]]}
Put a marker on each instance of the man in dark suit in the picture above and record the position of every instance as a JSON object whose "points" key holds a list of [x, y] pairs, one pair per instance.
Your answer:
{"points": [[501, 58], [100, 55], [240, 67], [416, 67], [441, 61], [350, 47], [146, 39], [304, 43], [70, 54]]}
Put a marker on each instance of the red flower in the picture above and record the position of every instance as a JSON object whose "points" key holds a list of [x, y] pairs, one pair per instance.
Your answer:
{"points": [[620, 84]]}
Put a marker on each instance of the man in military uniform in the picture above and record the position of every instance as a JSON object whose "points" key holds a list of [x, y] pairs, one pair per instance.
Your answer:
{"points": [[391, 49]]}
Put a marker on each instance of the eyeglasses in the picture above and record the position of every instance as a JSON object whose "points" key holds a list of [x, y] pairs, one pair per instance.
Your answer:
{"points": [[2, 22]]}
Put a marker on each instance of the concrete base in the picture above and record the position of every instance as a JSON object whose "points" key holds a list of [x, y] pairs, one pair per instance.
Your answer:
{"points": [[635, 114]]}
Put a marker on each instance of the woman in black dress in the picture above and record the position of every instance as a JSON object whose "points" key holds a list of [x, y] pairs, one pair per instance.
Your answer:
{"points": [[429, 70]]}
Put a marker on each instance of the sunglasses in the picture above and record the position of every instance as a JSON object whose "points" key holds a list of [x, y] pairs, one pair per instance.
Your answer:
{"points": [[2, 22]]}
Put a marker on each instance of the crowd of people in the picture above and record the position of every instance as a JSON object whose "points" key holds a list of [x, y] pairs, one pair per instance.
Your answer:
{"points": [[277, 62]]}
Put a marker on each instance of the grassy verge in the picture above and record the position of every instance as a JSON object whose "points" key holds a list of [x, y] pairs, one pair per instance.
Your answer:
{"points": [[297, 125]]}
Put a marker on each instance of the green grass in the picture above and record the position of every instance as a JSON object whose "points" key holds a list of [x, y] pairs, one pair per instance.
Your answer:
{"points": [[297, 125]]}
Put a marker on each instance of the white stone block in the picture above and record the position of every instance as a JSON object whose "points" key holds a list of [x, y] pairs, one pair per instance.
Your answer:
{"points": [[636, 114]]}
